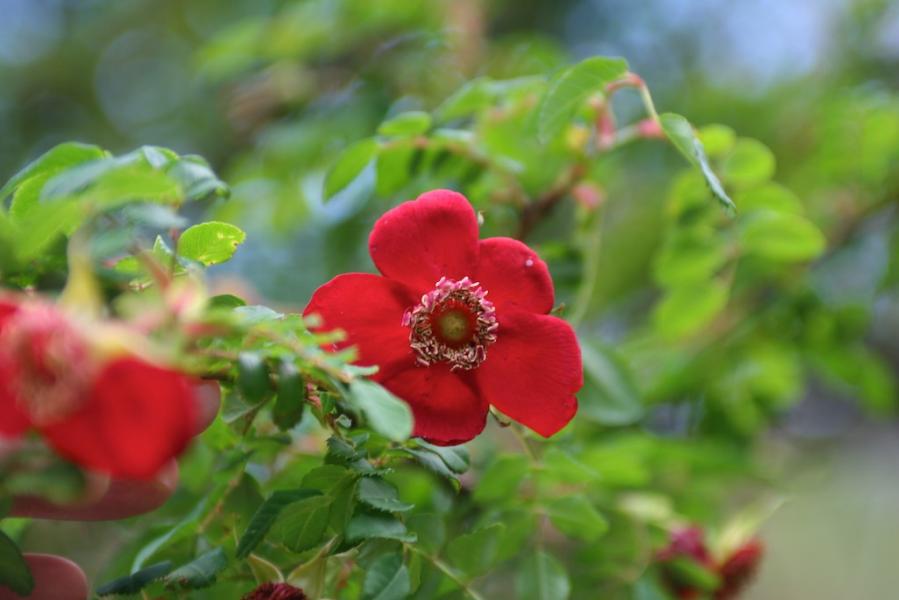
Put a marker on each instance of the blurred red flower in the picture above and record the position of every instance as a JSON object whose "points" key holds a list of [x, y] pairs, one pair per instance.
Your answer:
{"points": [[739, 568], [276, 591], [456, 324], [111, 412], [730, 575]]}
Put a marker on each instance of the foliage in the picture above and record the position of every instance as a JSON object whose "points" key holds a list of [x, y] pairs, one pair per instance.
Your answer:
{"points": [[711, 280]]}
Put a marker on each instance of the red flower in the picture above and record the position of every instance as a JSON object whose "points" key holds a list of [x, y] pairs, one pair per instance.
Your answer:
{"points": [[456, 324], [734, 572], [276, 591], [739, 568], [686, 544], [121, 415]]}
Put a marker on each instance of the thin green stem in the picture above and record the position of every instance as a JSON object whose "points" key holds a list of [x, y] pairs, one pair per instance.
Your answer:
{"points": [[516, 431], [591, 273], [448, 571], [647, 101]]}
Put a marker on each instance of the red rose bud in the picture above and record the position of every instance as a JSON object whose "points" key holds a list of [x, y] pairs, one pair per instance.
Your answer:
{"points": [[588, 195], [739, 569], [686, 565], [276, 591], [121, 415], [650, 128], [689, 542], [455, 323]]}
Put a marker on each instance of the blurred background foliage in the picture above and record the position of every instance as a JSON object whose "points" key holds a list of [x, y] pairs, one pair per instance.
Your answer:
{"points": [[724, 355]]}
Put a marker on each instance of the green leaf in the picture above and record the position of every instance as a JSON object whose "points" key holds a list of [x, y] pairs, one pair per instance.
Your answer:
{"points": [[349, 165], [576, 517], [302, 524], [291, 402], [610, 395], [430, 529], [14, 572], [342, 451], [432, 462], [690, 256], [265, 517], [502, 478], [717, 139], [561, 466], [50, 479], [455, 457], [196, 178], [43, 226], [27, 195], [381, 494], [386, 579], [771, 196], [226, 301], [690, 572], [134, 583], [252, 377], [365, 526], [199, 573], [681, 134], [781, 236], [685, 309], [571, 88], [542, 577], [210, 243], [470, 98], [406, 124], [53, 161], [748, 164], [477, 552], [387, 414], [127, 184], [180, 531], [647, 588]]}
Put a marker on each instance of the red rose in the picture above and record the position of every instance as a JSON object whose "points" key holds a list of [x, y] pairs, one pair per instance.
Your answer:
{"points": [[276, 591], [120, 415], [739, 568], [685, 544], [456, 324], [734, 572]]}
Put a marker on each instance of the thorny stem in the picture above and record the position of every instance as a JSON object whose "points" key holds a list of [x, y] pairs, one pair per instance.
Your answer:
{"points": [[448, 571], [536, 211], [305, 354], [635, 81], [217, 509], [647, 101], [516, 431], [610, 138]]}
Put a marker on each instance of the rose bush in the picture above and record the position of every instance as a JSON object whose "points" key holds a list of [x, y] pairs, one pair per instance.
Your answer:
{"points": [[592, 322]]}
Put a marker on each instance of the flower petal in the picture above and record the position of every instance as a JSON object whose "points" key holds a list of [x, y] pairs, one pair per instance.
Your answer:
{"points": [[533, 371], [419, 242], [514, 276], [369, 308], [138, 417], [13, 422], [446, 406], [7, 309]]}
